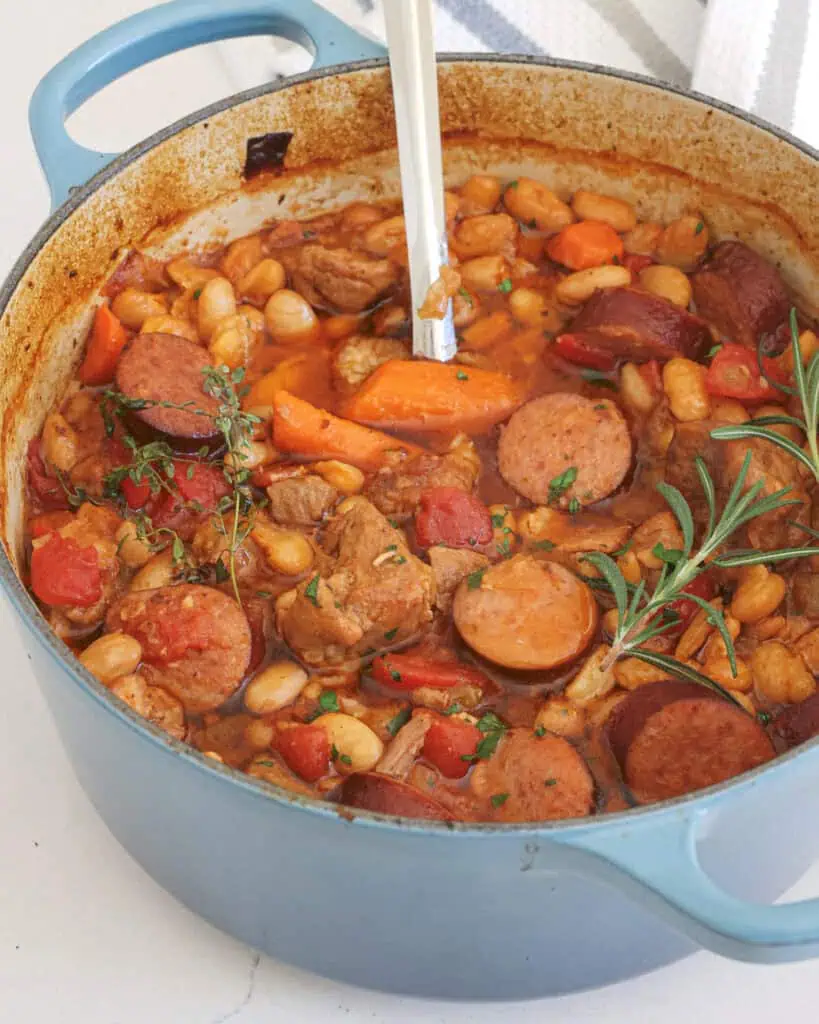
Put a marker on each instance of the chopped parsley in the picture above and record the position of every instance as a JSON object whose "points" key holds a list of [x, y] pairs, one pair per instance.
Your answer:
{"points": [[391, 633], [498, 519], [490, 721], [265, 763], [513, 184], [328, 700], [504, 547], [473, 580], [453, 709], [713, 351], [698, 229], [574, 506], [763, 717], [540, 731], [460, 375], [311, 590], [498, 799], [544, 545], [598, 378], [559, 484], [505, 286], [395, 675], [197, 293], [668, 555], [223, 573], [264, 594], [345, 759], [399, 721], [465, 295], [493, 729], [550, 782]]}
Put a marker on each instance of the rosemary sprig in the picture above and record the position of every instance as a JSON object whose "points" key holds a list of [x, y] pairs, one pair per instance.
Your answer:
{"points": [[643, 616], [806, 381]]}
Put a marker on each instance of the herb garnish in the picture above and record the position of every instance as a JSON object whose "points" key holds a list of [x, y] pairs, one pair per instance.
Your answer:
{"points": [[498, 799], [466, 296], [399, 721], [505, 286], [561, 483], [460, 375], [328, 700], [473, 580], [311, 590], [493, 729], [598, 378]]}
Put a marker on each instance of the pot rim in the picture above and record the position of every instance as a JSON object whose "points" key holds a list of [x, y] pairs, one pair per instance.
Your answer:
{"points": [[34, 619]]}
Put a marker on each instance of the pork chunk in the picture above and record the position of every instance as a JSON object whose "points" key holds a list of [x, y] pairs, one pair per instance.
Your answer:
{"points": [[396, 489], [341, 279], [300, 500], [450, 566]]}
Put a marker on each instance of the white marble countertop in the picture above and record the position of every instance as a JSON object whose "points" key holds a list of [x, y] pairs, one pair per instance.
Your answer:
{"points": [[85, 936]]}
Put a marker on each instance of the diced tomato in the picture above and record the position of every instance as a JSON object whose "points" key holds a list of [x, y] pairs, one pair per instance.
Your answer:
{"points": [[45, 486], [635, 262], [63, 573], [196, 484], [703, 586], [48, 522], [650, 372], [450, 516], [166, 639], [306, 750], [449, 744], [408, 671], [575, 349], [105, 344], [734, 373], [136, 495]]}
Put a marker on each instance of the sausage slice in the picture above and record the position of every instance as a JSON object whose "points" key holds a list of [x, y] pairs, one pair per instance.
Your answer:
{"points": [[166, 368], [562, 447], [672, 738], [371, 791], [526, 613], [195, 641], [534, 778], [741, 293], [636, 325]]}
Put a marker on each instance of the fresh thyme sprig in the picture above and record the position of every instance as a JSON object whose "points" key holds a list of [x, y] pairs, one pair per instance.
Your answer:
{"points": [[643, 616], [806, 381]]}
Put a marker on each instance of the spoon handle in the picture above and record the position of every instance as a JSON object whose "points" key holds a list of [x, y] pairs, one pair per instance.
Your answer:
{"points": [[411, 43]]}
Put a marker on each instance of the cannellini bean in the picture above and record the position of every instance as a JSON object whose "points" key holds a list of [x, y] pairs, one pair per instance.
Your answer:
{"points": [[480, 194], [719, 669], [345, 478], [60, 444], [358, 748], [286, 551], [635, 390], [714, 648], [466, 307], [485, 235], [484, 273], [217, 301], [642, 240], [617, 213], [452, 207], [629, 566], [290, 318], [167, 324], [808, 346], [241, 257], [728, 410], [668, 283], [385, 236], [611, 618], [631, 673], [254, 318], [759, 594], [112, 656], [274, 687], [265, 278], [563, 717], [254, 453], [536, 205], [158, 571], [133, 307], [188, 276], [684, 384], [661, 528], [528, 307], [696, 633], [580, 286], [131, 550], [259, 733], [768, 628], [780, 675], [684, 242], [592, 681], [232, 342]]}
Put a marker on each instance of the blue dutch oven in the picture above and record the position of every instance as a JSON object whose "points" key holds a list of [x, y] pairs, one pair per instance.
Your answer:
{"points": [[474, 911]]}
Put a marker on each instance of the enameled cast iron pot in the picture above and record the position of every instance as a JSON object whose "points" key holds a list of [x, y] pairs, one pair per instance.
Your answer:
{"points": [[475, 911]]}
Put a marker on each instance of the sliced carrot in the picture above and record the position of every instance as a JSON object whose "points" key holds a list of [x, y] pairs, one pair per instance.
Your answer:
{"points": [[488, 330], [297, 374], [589, 243], [429, 396], [301, 429], [105, 345]]}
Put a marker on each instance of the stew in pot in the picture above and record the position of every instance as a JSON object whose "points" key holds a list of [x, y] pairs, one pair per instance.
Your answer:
{"points": [[569, 572]]}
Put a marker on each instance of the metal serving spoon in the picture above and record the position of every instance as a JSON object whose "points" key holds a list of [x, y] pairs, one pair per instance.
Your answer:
{"points": [[411, 43]]}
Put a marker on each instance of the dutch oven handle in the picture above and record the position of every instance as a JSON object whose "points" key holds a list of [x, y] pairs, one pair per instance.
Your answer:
{"points": [[158, 32], [656, 864]]}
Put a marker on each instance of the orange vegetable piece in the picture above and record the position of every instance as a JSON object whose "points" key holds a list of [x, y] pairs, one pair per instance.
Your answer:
{"points": [[488, 330], [105, 345], [589, 243], [341, 326], [299, 428], [429, 396]]}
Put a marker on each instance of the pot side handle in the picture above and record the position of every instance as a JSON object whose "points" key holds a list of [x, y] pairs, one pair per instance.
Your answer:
{"points": [[155, 33], [658, 866]]}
